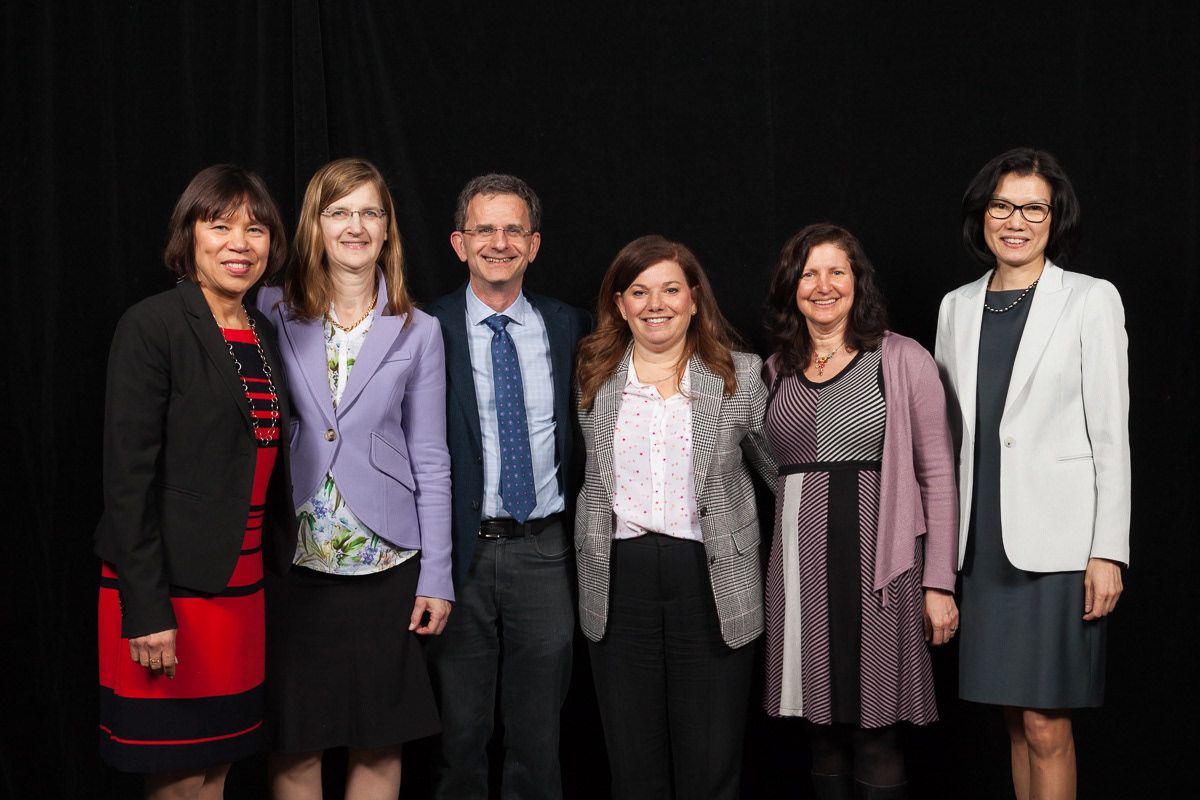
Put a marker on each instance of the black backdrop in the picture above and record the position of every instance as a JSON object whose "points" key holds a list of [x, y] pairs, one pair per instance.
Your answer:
{"points": [[727, 126]]}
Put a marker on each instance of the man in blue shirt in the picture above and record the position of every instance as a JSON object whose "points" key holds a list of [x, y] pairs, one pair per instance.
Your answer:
{"points": [[510, 372]]}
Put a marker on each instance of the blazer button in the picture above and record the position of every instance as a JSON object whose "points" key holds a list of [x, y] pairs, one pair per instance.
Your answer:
{"points": [[712, 559], [330, 435], [704, 511], [1009, 441], [478, 459], [474, 505]]}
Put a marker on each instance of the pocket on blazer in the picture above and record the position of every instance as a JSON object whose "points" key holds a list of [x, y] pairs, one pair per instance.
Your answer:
{"points": [[391, 462], [398, 355], [1077, 457], [746, 538]]}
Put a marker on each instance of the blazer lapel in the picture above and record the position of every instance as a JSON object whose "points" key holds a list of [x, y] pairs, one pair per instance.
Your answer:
{"points": [[205, 327], [606, 407], [968, 317], [561, 354], [707, 391], [306, 339], [461, 383], [383, 334], [1048, 302]]}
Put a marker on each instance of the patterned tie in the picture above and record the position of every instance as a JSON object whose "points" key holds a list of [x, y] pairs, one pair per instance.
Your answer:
{"points": [[516, 463]]}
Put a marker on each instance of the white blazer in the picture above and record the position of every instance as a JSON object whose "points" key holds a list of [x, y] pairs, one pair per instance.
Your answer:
{"points": [[1064, 459]]}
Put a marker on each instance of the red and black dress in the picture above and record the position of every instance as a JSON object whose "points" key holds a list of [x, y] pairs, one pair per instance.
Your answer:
{"points": [[210, 713]]}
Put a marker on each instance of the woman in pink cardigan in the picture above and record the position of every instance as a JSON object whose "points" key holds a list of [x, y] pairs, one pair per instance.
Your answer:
{"points": [[861, 571]]}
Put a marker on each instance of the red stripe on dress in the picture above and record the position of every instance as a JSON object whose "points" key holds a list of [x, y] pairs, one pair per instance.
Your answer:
{"points": [[244, 335], [204, 671], [223, 736]]}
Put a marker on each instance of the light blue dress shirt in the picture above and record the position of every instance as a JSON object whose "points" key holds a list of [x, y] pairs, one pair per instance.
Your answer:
{"points": [[529, 336]]}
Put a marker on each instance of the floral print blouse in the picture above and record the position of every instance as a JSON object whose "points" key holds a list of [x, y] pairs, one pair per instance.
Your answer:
{"points": [[331, 538]]}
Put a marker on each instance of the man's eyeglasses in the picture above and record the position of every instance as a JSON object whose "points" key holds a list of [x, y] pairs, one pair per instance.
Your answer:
{"points": [[490, 231]]}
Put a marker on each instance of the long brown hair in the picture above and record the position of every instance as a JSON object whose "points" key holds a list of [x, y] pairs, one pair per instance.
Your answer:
{"points": [[787, 326], [709, 335], [307, 287]]}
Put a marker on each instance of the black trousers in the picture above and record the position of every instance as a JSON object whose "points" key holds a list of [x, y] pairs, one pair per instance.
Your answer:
{"points": [[672, 695]]}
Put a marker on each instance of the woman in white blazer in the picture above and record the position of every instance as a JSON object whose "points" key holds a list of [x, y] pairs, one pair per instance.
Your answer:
{"points": [[1036, 367]]}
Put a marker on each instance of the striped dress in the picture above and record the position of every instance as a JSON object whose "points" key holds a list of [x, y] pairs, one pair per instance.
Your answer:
{"points": [[210, 713], [835, 652]]}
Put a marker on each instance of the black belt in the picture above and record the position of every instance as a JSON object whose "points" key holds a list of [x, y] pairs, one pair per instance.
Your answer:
{"points": [[511, 529]]}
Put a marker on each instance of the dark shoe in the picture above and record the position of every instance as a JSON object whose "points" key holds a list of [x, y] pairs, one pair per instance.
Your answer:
{"points": [[865, 791], [832, 787]]}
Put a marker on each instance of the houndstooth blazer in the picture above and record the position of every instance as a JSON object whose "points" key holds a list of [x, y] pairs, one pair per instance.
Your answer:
{"points": [[723, 427]]}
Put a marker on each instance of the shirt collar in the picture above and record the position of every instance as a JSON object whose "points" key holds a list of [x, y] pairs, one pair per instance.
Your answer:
{"points": [[478, 311], [632, 384]]}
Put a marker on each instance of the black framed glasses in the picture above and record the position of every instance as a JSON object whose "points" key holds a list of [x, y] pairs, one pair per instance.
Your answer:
{"points": [[490, 231], [1032, 212]]}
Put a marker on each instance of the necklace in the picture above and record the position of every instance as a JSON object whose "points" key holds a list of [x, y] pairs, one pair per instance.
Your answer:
{"points": [[1011, 305], [261, 434], [820, 361], [357, 322]]}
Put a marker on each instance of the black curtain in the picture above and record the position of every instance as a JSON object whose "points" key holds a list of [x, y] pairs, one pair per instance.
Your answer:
{"points": [[725, 125]]}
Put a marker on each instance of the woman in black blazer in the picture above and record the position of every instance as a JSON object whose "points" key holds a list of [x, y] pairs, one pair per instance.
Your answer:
{"points": [[192, 493]]}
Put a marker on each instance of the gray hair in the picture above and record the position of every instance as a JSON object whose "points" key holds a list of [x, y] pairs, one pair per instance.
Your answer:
{"points": [[493, 184]]}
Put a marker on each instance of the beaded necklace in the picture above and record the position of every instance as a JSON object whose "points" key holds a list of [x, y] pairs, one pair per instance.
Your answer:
{"points": [[821, 361], [1011, 305], [261, 433]]}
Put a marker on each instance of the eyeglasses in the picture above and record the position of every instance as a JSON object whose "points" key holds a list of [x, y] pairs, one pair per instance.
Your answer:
{"points": [[1032, 212], [490, 231], [366, 215]]}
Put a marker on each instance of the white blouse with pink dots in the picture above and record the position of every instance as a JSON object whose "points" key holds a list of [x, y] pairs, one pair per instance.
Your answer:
{"points": [[652, 463]]}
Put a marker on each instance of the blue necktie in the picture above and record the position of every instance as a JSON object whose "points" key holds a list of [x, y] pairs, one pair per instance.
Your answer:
{"points": [[516, 463]]}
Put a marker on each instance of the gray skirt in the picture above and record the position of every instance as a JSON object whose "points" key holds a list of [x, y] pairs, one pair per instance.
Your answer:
{"points": [[1023, 641]]}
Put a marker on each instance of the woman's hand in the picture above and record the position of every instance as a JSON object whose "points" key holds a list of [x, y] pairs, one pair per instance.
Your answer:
{"points": [[439, 612], [941, 616], [155, 652], [1101, 588]]}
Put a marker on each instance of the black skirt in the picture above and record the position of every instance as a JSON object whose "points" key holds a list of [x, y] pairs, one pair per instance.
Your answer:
{"points": [[343, 670]]}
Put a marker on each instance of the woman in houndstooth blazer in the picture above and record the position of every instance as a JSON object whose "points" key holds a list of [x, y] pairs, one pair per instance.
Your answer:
{"points": [[666, 527]]}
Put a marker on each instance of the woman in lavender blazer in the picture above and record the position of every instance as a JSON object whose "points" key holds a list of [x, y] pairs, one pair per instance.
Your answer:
{"points": [[371, 477]]}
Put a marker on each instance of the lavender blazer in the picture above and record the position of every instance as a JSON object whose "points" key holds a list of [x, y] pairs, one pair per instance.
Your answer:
{"points": [[386, 442]]}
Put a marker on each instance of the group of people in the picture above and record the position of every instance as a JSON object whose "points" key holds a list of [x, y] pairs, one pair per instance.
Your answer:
{"points": [[334, 519]]}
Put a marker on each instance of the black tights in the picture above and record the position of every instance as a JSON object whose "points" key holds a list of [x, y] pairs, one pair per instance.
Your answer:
{"points": [[872, 755]]}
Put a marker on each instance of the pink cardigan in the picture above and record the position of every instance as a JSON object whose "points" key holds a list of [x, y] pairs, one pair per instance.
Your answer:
{"points": [[917, 492]]}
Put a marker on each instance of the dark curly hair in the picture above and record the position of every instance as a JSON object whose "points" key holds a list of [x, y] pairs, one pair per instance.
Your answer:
{"points": [[787, 326]]}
